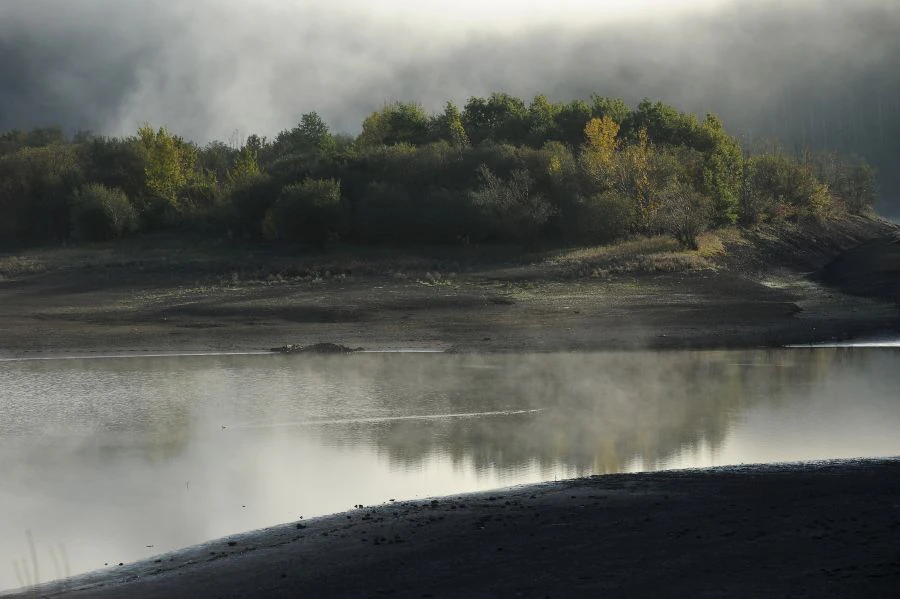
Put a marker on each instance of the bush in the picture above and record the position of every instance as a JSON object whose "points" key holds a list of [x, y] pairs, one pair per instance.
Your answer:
{"points": [[308, 212], [776, 187], [36, 185], [248, 202], [510, 209], [385, 213], [100, 213], [601, 218], [860, 193], [683, 213], [446, 216]]}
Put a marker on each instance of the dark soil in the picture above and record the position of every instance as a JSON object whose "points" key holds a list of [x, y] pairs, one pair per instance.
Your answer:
{"points": [[871, 269], [763, 292], [815, 530]]}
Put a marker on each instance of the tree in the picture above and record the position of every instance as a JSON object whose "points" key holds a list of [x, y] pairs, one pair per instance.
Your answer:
{"points": [[399, 122], [500, 118], [683, 213], [248, 201], [777, 187], [722, 170], [169, 165], [245, 167], [663, 123], [541, 121], [449, 126], [512, 210], [310, 136], [308, 212], [600, 142], [569, 122], [35, 186], [614, 108], [100, 213], [860, 189], [116, 163], [631, 173]]}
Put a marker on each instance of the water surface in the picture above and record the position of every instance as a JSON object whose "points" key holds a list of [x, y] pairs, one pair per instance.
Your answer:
{"points": [[111, 460]]}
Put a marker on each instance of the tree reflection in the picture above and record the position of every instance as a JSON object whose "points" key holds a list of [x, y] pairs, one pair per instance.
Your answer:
{"points": [[597, 413]]}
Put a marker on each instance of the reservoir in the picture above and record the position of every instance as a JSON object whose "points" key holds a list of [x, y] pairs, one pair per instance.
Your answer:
{"points": [[109, 460]]}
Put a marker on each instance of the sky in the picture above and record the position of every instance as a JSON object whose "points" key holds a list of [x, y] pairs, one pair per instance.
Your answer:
{"points": [[817, 72]]}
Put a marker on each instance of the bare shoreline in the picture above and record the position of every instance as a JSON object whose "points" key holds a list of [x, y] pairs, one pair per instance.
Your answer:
{"points": [[810, 529], [51, 316], [766, 290], [823, 529]]}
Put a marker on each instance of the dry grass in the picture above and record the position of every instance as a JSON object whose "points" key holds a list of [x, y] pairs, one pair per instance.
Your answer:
{"points": [[710, 245], [18, 266], [632, 247], [639, 255]]}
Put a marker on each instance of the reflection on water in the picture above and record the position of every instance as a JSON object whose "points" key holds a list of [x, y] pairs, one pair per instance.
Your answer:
{"points": [[108, 461]]}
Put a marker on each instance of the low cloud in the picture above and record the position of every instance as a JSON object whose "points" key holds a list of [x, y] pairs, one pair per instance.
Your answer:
{"points": [[810, 72]]}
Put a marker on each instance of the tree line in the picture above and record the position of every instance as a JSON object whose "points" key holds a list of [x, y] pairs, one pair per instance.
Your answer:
{"points": [[496, 170]]}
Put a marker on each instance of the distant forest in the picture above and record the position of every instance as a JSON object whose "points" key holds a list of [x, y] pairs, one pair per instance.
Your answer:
{"points": [[499, 169]]}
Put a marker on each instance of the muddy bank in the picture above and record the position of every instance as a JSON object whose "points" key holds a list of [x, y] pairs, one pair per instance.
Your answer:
{"points": [[808, 530], [765, 289], [871, 269]]}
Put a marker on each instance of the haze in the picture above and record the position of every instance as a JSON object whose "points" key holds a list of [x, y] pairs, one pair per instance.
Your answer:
{"points": [[817, 73]]}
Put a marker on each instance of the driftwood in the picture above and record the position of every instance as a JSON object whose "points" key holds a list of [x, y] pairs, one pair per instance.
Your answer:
{"points": [[315, 348]]}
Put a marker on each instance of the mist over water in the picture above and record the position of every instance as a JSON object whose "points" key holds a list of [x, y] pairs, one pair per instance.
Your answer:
{"points": [[808, 72], [114, 460]]}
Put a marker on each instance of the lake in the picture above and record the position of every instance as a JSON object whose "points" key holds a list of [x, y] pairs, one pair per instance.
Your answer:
{"points": [[112, 460]]}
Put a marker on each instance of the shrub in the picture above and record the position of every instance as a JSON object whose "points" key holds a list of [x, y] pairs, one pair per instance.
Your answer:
{"points": [[602, 218], [860, 188], [248, 202], [683, 213], [776, 187], [100, 213], [36, 185], [308, 212], [510, 209], [385, 213], [446, 216]]}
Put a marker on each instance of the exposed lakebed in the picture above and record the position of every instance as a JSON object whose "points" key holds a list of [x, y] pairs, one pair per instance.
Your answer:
{"points": [[110, 460]]}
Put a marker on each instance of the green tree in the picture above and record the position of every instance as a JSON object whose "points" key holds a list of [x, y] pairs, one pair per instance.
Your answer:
{"points": [[449, 126], [308, 212], [777, 187], [311, 136], [860, 188], [500, 118], [116, 163], [399, 122], [245, 167], [614, 108], [540, 121], [169, 165], [100, 213], [35, 186], [512, 210], [248, 201], [723, 169]]}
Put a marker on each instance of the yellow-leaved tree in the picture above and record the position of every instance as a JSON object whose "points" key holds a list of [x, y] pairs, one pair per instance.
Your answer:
{"points": [[600, 135], [633, 169], [169, 164], [598, 153]]}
